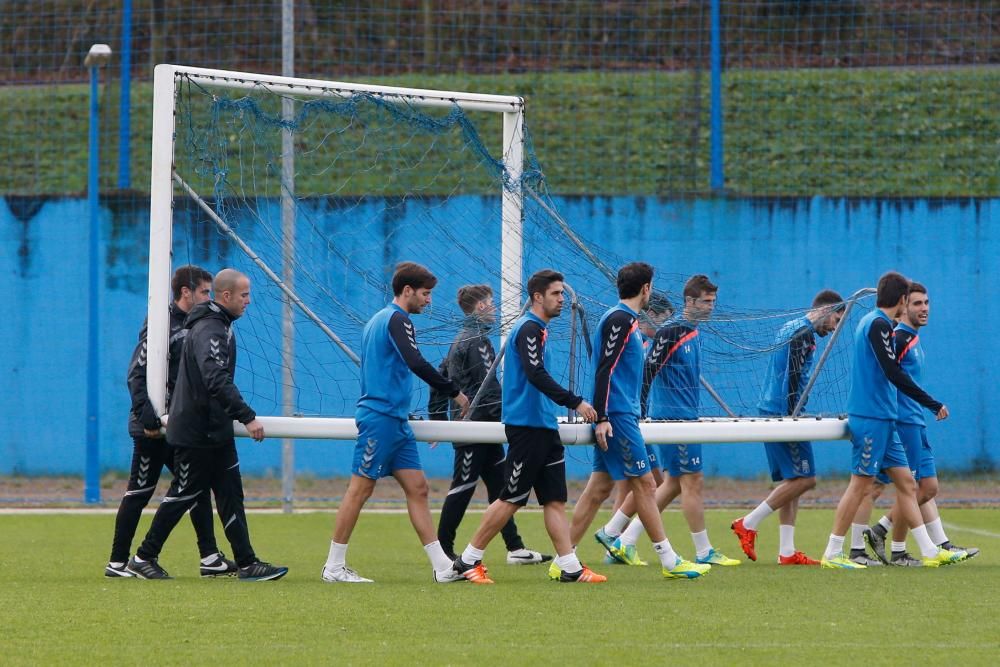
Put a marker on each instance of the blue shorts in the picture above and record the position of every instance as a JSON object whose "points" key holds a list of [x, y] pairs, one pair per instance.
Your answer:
{"points": [[918, 451], [651, 455], [874, 446], [626, 455], [385, 444], [882, 477], [789, 460], [680, 459]]}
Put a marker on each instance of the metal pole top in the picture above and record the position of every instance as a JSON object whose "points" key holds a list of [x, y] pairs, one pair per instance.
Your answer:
{"points": [[98, 56]]}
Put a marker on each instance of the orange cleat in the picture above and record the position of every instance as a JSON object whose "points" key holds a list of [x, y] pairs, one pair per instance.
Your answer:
{"points": [[797, 558], [584, 576], [477, 574], [747, 537]]}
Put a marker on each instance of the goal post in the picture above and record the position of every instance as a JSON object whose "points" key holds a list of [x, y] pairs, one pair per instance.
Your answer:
{"points": [[165, 80]]}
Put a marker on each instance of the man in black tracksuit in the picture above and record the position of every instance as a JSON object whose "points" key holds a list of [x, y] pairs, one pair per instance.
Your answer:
{"points": [[469, 358], [204, 404], [190, 285]]}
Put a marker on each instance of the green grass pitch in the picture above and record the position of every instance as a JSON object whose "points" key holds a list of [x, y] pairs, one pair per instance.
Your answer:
{"points": [[56, 607]]}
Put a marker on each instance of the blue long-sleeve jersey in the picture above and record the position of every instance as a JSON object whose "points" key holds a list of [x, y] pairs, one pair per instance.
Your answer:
{"points": [[876, 375], [530, 395], [618, 359], [789, 367], [389, 358], [672, 372], [911, 357]]}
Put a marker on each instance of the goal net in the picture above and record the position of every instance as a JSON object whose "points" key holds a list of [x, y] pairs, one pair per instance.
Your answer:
{"points": [[317, 189]]}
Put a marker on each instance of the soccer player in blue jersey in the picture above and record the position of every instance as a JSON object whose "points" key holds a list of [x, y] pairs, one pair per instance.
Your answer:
{"points": [[536, 459], [912, 430], [386, 446], [671, 388], [619, 456], [792, 464], [876, 379], [651, 318], [469, 363]]}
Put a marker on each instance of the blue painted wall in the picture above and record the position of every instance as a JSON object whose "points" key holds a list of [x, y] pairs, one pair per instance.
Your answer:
{"points": [[765, 254]]}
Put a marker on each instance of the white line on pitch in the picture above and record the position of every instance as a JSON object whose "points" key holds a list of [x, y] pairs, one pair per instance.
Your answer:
{"points": [[972, 531]]}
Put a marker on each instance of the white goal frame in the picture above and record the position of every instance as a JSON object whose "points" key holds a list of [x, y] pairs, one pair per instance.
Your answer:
{"points": [[512, 110]]}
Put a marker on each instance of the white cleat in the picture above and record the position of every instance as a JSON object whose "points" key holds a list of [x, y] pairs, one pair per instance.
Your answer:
{"points": [[343, 575], [526, 557], [447, 576]]}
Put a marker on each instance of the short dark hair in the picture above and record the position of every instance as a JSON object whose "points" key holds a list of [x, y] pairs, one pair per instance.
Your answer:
{"points": [[699, 284], [828, 297], [917, 287], [659, 303], [412, 274], [539, 282], [470, 295], [189, 276], [632, 277], [892, 287]]}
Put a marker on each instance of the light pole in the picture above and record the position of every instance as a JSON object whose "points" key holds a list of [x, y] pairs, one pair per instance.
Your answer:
{"points": [[97, 57]]}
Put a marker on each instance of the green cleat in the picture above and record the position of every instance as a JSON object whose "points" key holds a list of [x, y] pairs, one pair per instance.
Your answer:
{"points": [[554, 571], [841, 562], [971, 552], [626, 553], [608, 543], [685, 569], [944, 557], [718, 558]]}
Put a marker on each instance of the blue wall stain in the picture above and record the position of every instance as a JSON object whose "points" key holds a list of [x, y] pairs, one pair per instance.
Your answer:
{"points": [[764, 254]]}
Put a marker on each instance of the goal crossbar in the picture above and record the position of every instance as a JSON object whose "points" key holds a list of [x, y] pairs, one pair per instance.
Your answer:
{"points": [[319, 88]]}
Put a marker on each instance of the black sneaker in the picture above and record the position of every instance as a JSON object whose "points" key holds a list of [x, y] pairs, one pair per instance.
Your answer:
{"points": [[860, 556], [971, 552], [875, 539], [904, 559], [261, 571], [119, 570], [149, 569], [220, 566]]}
